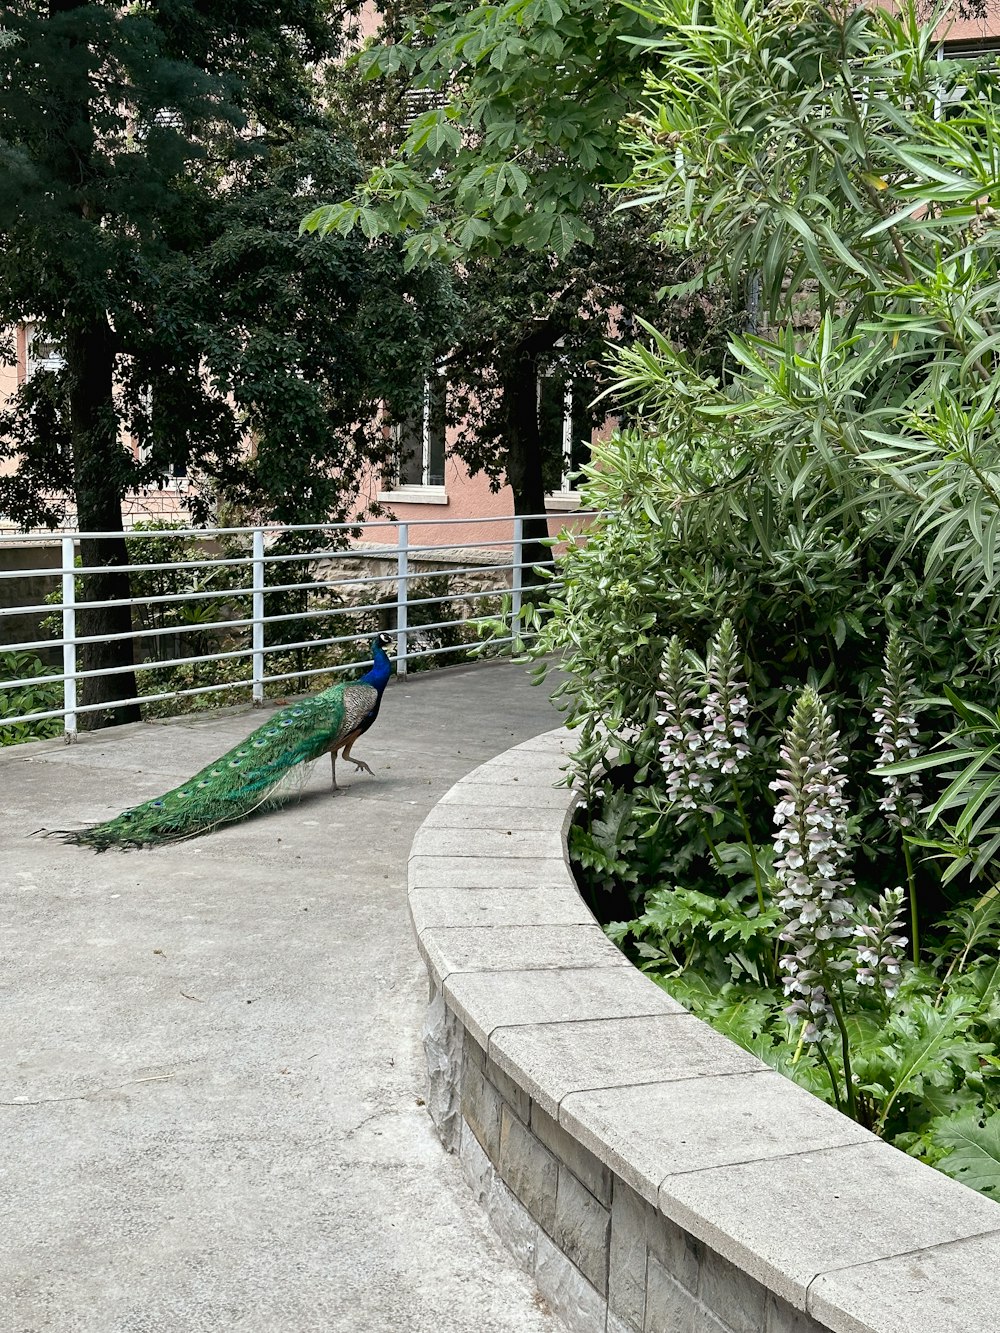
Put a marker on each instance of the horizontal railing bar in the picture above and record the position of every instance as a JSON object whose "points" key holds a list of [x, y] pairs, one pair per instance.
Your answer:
{"points": [[81, 570], [194, 660], [45, 571], [32, 644], [209, 562], [124, 703], [315, 671], [54, 534], [164, 598], [245, 623], [456, 597]]}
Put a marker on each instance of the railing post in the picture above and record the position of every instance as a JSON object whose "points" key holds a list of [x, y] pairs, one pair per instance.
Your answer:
{"points": [[257, 614], [517, 558], [69, 637], [402, 570]]}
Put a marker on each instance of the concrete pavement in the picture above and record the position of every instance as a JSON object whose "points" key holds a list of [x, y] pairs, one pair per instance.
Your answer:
{"points": [[211, 1077]]}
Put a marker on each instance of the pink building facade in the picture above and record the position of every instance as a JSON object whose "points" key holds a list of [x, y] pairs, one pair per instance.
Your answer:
{"points": [[434, 492]]}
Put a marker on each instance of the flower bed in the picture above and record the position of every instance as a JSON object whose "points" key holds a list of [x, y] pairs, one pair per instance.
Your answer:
{"points": [[647, 1171]]}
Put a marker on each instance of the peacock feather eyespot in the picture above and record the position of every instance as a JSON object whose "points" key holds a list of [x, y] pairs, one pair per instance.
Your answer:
{"points": [[156, 804], [234, 763]]}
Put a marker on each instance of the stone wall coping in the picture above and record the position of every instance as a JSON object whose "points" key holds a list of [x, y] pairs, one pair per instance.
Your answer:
{"points": [[841, 1225]]}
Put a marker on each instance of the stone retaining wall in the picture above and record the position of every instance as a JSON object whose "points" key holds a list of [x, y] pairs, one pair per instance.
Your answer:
{"points": [[651, 1175]]}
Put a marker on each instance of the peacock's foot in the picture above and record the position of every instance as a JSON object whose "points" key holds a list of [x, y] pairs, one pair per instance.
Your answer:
{"points": [[361, 766]]}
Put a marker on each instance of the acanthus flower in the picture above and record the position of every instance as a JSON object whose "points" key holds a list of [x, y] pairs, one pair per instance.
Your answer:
{"points": [[812, 850], [726, 706], [897, 733], [689, 783], [880, 945]]}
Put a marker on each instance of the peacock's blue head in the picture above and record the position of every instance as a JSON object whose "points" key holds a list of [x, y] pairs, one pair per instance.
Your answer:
{"points": [[381, 668]]}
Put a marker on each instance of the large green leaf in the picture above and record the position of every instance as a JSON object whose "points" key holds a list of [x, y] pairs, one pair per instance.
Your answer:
{"points": [[974, 1143]]}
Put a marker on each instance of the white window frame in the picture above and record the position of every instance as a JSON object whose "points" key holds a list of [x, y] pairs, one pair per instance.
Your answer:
{"points": [[54, 361], [168, 476], [566, 497], [419, 492]]}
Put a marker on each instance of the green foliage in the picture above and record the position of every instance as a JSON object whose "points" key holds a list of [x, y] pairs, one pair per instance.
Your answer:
{"points": [[500, 175], [805, 145], [157, 161], [813, 606], [971, 1143], [680, 929], [38, 697], [520, 135], [970, 759], [832, 485], [607, 848]]}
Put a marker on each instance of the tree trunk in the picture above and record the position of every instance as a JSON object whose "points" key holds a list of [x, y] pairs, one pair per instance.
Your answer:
{"points": [[519, 384], [98, 474]]}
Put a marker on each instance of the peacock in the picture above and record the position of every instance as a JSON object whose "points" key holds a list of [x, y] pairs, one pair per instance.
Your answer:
{"points": [[246, 777]]}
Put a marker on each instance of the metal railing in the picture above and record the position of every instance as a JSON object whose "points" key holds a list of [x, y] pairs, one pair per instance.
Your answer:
{"points": [[242, 615]]}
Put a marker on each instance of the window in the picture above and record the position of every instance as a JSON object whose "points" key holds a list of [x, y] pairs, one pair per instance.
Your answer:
{"points": [[40, 351], [970, 75], [176, 470], [565, 424], [418, 101], [420, 440]]}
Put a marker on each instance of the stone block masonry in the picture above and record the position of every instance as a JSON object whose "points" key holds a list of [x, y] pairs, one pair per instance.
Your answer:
{"points": [[650, 1175]]}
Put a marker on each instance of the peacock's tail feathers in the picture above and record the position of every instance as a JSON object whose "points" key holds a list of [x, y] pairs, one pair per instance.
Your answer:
{"points": [[252, 774]]}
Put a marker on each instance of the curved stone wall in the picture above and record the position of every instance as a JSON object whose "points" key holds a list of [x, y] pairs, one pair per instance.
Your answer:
{"points": [[653, 1176]]}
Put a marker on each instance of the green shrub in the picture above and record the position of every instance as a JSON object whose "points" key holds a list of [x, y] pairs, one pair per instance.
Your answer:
{"points": [[833, 496], [38, 697]]}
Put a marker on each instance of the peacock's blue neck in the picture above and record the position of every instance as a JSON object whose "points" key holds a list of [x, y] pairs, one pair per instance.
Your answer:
{"points": [[379, 674]]}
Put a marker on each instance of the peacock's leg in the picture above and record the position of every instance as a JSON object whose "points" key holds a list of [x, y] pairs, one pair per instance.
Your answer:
{"points": [[333, 768], [359, 764]]}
